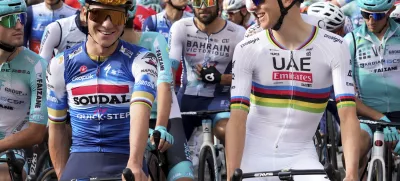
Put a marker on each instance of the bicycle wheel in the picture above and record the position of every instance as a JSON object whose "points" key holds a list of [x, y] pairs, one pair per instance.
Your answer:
{"points": [[48, 174], [398, 173], [331, 145], [377, 171], [206, 165]]}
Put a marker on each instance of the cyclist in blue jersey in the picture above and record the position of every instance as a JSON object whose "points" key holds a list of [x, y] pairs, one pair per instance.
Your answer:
{"points": [[39, 16], [22, 87], [165, 115], [375, 48], [108, 85], [162, 22]]}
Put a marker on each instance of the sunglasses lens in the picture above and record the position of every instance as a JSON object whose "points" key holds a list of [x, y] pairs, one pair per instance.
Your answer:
{"points": [[9, 21], [207, 3], [100, 15], [375, 16]]}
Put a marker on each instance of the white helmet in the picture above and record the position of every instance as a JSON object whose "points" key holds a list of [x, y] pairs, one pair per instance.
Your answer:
{"points": [[232, 5], [331, 16]]}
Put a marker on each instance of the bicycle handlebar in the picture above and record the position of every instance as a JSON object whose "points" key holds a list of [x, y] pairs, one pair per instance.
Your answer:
{"points": [[380, 122], [157, 137], [238, 175], [204, 113], [127, 173]]}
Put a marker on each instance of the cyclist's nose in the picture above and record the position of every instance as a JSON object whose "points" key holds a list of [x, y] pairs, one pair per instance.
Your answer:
{"points": [[107, 23], [19, 25]]}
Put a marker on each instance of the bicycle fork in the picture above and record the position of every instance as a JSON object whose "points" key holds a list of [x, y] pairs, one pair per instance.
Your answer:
{"points": [[378, 151], [208, 142]]}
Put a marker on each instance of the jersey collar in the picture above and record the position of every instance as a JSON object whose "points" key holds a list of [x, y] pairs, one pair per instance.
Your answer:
{"points": [[310, 39]]}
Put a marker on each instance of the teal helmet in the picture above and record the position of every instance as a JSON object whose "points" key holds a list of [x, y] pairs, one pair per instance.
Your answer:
{"points": [[375, 5], [132, 11], [82, 2], [12, 6]]}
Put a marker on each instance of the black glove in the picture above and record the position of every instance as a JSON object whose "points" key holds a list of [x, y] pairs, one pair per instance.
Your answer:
{"points": [[210, 75]]}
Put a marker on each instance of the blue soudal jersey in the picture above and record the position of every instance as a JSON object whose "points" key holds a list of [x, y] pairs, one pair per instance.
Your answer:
{"points": [[99, 94]]}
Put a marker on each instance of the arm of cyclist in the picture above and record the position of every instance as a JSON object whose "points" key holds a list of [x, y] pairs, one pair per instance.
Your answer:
{"points": [[240, 92], [345, 100], [148, 24], [164, 93], [364, 110], [36, 131], [50, 40], [141, 102], [57, 105]]}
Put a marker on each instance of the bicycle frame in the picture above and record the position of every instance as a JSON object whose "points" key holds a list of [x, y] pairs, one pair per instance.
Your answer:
{"points": [[208, 142], [378, 152]]}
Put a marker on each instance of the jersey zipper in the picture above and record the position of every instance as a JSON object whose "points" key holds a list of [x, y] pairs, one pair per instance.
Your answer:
{"points": [[99, 110], [289, 106]]}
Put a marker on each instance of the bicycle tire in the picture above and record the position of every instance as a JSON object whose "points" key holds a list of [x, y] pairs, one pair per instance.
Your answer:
{"points": [[398, 172], [48, 174], [377, 171], [389, 162], [332, 150], [41, 163], [206, 157]]}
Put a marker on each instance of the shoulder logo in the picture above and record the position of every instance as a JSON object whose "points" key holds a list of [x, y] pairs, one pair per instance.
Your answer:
{"points": [[75, 53], [150, 59], [333, 38], [126, 52], [252, 41]]}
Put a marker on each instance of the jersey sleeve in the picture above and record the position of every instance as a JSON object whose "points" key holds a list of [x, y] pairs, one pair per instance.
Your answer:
{"points": [[242, 73], [148, 24], [164, 63], [28, 26], [57, 100], [350, 42], [38, 111], [50, 40], [342, 78], [144, 71], [175, 43]]}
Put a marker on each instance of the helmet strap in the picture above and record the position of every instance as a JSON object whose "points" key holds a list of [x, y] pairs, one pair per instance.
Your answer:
{"points": [[6, 47], [284, 12]]}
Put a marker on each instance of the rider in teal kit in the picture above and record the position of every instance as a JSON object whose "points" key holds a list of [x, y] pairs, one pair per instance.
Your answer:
{"points": [[375, 51], [165, 116]]}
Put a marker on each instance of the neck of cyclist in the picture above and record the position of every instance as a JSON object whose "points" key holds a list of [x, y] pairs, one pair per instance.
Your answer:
{"points": [[211, 28], [289, 36], [96, 49], [246, 19], [6, 56], [55, 6], [380, 34], [172, 13]]}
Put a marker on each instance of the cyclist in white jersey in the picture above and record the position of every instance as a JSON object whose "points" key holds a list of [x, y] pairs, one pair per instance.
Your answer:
{"points": [[282, 81], [22, 87], [63, 34], [207, 43]]}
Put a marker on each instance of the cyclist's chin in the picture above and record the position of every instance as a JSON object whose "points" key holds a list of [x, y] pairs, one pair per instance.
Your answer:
{"points": [[107, 40]]}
